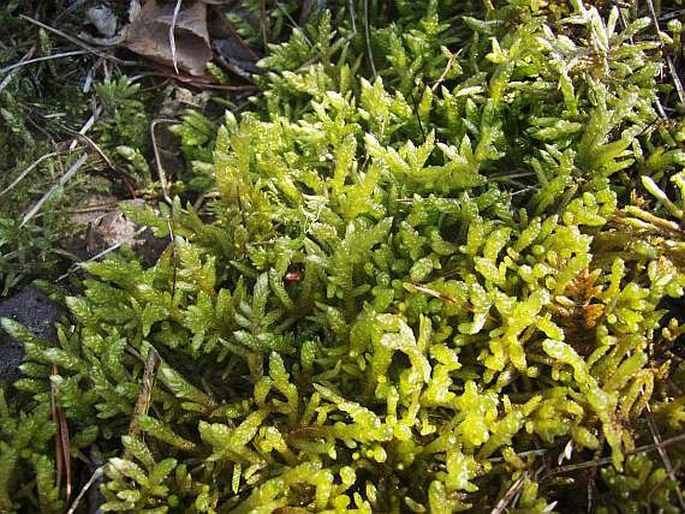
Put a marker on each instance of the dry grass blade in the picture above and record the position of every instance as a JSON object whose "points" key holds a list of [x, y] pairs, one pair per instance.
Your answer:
{"points": [[353, 22], [63, 180], [430, 292], [19, 64], [25, 173], [65, 447], [172, 35], [128, 179], [70, 172], [12, 73]]}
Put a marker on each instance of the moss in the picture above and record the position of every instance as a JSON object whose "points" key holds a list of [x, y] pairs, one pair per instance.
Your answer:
{"points": [[406, 293], [48, 94]]}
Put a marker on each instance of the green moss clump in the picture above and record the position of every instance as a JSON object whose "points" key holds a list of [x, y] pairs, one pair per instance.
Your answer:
{"points": [[408, 293]]}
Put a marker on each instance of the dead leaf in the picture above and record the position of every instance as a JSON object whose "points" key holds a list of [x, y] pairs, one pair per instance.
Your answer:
{"points": [[231, 51], [148, 35]]}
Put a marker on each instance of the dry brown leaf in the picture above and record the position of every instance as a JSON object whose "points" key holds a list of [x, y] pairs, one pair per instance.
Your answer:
{"points": [[148, 35]]}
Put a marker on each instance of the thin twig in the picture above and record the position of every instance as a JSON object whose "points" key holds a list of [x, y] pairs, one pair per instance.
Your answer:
{"points": [[655, 18], [92, 144], [62, 452], [172, 36], [79, 135], [608, 460], [509, 495], [93, 478], [536, 453], [450, 62], [94, 208], [59, 456], [144, 396], [77, 41], [591, 482], [594, 463]]}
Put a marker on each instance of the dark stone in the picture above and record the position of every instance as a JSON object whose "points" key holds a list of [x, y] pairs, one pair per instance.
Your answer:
{"points": [[33, 309]]}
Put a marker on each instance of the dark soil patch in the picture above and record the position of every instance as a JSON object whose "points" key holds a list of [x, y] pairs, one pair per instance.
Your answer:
{"points": [[33, 309]]}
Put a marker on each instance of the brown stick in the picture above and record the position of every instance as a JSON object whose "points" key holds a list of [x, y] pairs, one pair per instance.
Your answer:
{"points": [[62, 449], [145, 395]]}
